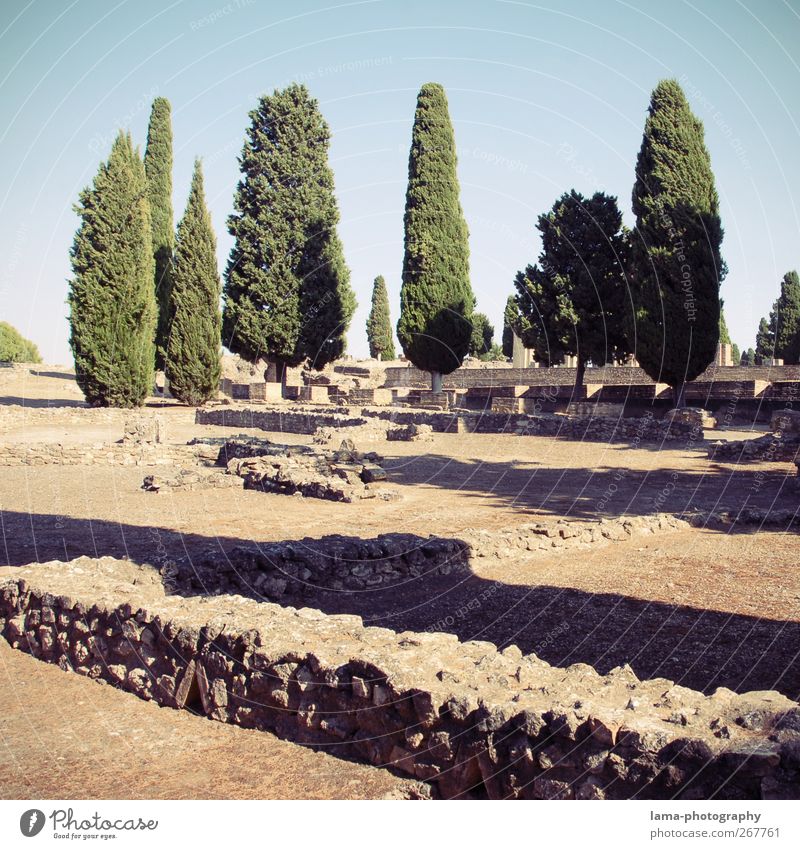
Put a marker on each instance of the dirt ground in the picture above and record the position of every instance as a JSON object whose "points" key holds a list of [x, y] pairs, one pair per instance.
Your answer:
{"points": [[703, 607]]}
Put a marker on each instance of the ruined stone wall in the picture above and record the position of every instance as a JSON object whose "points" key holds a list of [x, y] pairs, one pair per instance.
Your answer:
{"points": [[110, 454], [466, 378], [469, 719], [288, 420]]}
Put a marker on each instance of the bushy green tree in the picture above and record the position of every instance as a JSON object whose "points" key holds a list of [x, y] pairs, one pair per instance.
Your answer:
{"points": [[158, 168], [574, 300], [676, 266], [765, 340], [15, 348], [111, 297], [736, 354], [436, 299], [287, 290], [510, 324], [748, 357], [193, 349], [379, 324], [787, 319], [482, 337]]}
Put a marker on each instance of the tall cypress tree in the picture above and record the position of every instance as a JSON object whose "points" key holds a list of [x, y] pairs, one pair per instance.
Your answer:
{"points": [[574, 301], [158, 167], [436, 299], [111, 298], [482, 337], [287, 290], [510, 324], [787, 319], [379, 325], [765, 340], [193, 351], [676, 265]]}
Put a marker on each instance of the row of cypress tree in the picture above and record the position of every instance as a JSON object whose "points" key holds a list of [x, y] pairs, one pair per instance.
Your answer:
{"points": [[140, 296]]}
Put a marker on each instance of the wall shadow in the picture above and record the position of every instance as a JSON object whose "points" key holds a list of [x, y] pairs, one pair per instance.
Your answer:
{"points": [[702, 649], [590, 493], [40, 403]]}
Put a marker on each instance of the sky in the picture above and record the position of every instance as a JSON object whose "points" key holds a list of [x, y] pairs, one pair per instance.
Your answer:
{"points": [[543, 98]]}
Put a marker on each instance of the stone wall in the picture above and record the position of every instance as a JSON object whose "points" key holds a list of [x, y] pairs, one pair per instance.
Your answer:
{"points": [[276, 420], [101, 453], [471, 720], [467, 377]]}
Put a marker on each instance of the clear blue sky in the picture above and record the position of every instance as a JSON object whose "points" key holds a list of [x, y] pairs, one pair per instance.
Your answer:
{"points": [[543, 98]]}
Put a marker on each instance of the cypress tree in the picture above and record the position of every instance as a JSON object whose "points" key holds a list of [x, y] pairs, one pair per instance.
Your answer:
{"points": [[436, 300], [748, 357], [765, 340], [724, 333], [676, 263], [787, 319], [574, 300], [379, 325], [158, 167], [287, 292], [482, 337], [193, 351], [111, 298], [510, 324]]}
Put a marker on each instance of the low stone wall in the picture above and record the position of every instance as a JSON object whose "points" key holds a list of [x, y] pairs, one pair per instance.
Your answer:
{"points": [[288, 420], [471, 720], [102, 454]]}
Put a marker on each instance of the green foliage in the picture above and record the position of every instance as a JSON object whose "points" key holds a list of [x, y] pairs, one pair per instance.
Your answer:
{"points": [[482, 337], [379, 325], [573, 302], [748, 357], [158, 168], [724, 334], [511, 319], [765, 340], [676, 267], [787, 319], [436, 299], [736, 354], [287, 289], [111, 298], [15, 348], [193, 350], [493, 354]]}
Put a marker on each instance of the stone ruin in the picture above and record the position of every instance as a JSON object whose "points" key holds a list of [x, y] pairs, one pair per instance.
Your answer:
{"points": [[467, 718], [781, 445]]}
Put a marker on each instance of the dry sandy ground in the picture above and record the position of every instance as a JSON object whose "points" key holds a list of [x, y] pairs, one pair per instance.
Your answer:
{"points": [[703, 607]]}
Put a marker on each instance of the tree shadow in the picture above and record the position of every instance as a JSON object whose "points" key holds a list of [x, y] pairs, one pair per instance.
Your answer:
{"points": [[40, 403], [602, 491], [697, 648], [57, 374]]}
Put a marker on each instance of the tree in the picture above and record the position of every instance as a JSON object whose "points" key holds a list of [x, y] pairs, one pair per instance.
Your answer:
{"points": [[15, 348], [436, 299], [158, 168], [676, 266], [510, 325], [573, 302], [736, 354], [379, 325], [111, 297], [287, 291], [482, 337], [193, 349], [765, 340], [748, 358], [787, 319]]}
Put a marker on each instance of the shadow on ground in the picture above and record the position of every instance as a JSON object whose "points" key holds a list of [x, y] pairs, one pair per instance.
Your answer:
{"points": [[702, 649], [582, 492]]}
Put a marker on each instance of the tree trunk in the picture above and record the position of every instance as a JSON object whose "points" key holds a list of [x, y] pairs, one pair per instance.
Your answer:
{"points": [[580, 372], [677, 394], [436, 382]]}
